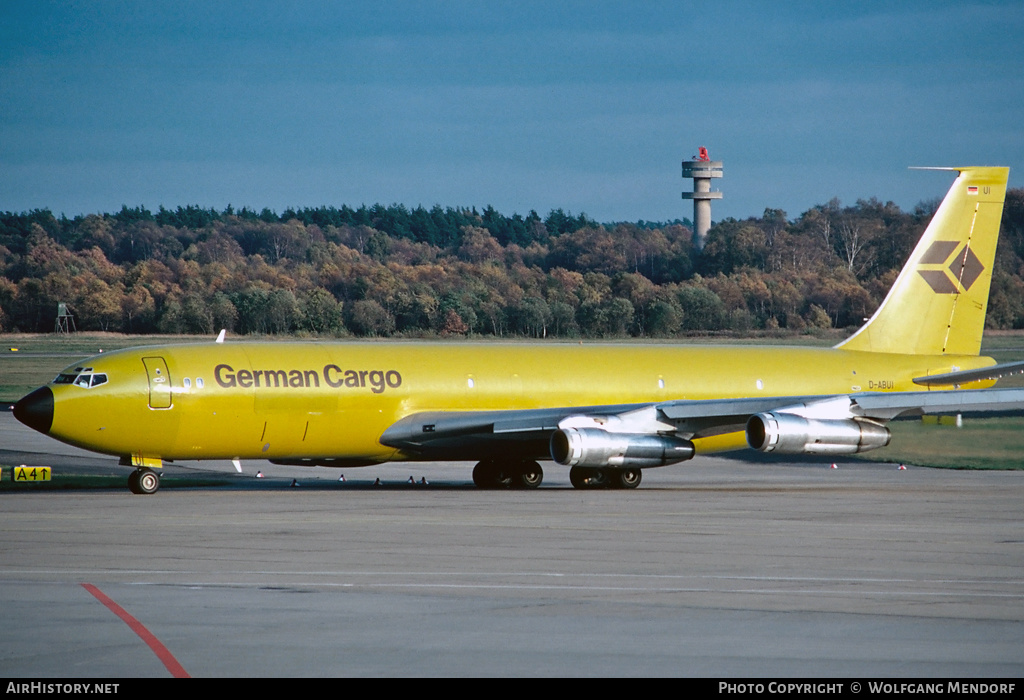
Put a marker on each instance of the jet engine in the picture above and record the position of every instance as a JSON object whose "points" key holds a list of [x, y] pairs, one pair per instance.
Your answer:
{"points": [[593, 447], [790, 434]]}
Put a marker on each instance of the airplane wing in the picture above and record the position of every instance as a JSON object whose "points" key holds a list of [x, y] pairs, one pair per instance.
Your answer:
{"points": [[829, 424], [463, 434]]}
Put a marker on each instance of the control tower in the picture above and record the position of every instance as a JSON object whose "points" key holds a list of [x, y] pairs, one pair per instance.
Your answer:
{"points": [[701, 169]]}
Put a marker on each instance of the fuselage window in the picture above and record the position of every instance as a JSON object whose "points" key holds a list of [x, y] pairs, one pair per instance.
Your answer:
{"points": [[188, 383], [199, 383]]}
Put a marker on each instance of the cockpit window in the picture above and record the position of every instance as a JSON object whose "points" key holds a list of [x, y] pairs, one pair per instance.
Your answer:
{"points": [[81, 377]]}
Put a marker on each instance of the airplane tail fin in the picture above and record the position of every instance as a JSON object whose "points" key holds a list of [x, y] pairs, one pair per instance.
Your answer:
{"points": [[938, 302]]}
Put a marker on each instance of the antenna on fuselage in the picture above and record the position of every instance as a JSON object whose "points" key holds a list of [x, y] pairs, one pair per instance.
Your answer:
{"points": [[220, 336]]}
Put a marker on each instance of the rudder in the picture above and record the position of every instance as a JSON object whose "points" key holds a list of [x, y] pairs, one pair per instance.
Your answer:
{"points": [[937, 304]]}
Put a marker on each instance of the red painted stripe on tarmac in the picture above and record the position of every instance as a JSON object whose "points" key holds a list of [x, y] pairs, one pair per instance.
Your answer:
{"points": [[165, 656]]}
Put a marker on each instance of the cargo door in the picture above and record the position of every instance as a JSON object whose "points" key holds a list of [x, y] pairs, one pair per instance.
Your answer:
{"points": [[159, 382]]}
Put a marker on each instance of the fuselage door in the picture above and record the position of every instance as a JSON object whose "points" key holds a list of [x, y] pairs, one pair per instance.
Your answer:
{"points": [[159, 382]]}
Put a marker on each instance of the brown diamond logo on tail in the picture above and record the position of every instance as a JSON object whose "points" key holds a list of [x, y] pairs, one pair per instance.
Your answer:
{"points": [[939, 281], [971, 269], [938, 253], [964, 266]]}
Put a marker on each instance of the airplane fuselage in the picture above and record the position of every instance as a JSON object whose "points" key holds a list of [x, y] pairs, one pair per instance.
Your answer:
{"points": [[313, 400]]}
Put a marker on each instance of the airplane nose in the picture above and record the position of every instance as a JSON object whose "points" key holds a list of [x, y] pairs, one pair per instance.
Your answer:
{"points": [[36, 409]]}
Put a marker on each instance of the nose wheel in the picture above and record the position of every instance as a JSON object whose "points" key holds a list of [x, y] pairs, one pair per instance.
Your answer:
{"points": [[143, 481]]}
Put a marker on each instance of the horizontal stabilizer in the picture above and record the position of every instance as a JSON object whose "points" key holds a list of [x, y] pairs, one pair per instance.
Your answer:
{"points": [[972, 375], [888, 405]]}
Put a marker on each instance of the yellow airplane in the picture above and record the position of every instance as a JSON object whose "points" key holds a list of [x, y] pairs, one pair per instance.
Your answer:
{"points": [[605, 411]]}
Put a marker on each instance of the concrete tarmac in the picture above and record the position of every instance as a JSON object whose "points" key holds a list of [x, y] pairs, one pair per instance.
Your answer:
{"points": [[717, 567]]}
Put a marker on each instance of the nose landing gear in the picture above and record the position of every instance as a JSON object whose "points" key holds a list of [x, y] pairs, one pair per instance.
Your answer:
{"points": [[143, 481]]}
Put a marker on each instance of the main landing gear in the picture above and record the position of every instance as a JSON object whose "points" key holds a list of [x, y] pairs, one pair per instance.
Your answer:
{"points": [[495, 473], [143, 481], [604, 478]]}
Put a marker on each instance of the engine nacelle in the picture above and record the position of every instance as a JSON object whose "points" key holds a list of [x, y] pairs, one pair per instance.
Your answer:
{"points": [[593, 447], [790, 434]]}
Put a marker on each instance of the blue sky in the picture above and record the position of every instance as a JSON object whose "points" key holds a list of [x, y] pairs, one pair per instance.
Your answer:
{"points": [[588, 106]]}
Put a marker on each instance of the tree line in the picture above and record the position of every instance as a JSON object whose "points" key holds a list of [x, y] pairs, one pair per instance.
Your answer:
{"points": [[394, 271]]}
